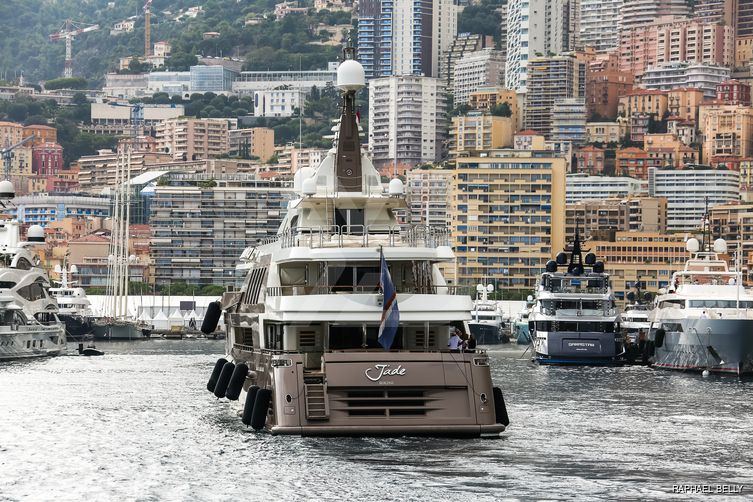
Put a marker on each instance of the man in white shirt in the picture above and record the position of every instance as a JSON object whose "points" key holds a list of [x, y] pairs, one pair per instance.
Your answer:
{"points": [[455, 340]]}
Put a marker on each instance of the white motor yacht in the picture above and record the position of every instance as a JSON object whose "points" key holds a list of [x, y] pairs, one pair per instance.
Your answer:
{"points": [[343, 324], [29, 326]]}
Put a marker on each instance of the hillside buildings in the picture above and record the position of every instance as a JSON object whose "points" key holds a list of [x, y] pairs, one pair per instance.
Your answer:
{"points": [[550, 80], [191, 139], [482, 68]]}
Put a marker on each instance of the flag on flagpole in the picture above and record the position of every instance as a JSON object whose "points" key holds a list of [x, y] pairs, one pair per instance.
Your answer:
{"points": [[390, 313]]}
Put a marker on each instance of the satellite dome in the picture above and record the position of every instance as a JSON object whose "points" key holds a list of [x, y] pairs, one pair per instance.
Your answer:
{"points": [[720, 246], [692, 245], [309, 187], [479, 288], [350, 76], [396, 187], [7, 191], [35, 234], [74, 269]]}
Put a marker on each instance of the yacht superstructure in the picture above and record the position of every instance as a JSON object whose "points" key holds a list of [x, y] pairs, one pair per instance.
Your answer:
{"points": [[29, 326], [704, 320], [575, 319], [307, 334]]}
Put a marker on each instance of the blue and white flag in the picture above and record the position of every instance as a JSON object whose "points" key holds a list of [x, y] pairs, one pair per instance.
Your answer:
{"points": [[390, 313]]}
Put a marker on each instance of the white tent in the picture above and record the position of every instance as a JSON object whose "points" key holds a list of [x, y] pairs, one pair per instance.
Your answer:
{"points": [[160, 322], [176, 319]]}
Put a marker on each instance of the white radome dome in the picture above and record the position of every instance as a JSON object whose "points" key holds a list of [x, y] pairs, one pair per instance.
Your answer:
{"points": [[309, 187], [35, 234], [720, 246], [350, 76], [74, 269], [396, 187], [692, 245], [479, 288], [7, 190]]}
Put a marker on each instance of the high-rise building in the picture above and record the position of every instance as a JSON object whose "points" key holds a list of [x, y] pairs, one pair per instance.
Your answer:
{"points": [[743, 24], [407, 120], [509, 217], [600, 24], [621, 214], [669, 40], [689, 190], [404, 37], [643, 12], [461, 45], [257, 142], [549, 80], [199, 229], [715, 11], [536, 28], [476, 70]]}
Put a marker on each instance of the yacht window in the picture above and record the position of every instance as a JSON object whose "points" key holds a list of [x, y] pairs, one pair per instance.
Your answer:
{"points": [[340, 279], [293, 275], [720, 304], [350, 221], [23, 264], [273, 336], [678, 304], [345, 337], [7, 284], [367, 279]]}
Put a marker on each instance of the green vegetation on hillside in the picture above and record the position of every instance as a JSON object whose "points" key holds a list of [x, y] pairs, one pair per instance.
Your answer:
{"points": [[25, 47]]}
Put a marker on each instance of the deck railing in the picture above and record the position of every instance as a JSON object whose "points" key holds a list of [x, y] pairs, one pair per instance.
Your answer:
{"points": [[339, 289], [339, 236]]}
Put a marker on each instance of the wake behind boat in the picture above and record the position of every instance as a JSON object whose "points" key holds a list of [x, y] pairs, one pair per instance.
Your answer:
{"points": [[343, 323], [704, 321]]}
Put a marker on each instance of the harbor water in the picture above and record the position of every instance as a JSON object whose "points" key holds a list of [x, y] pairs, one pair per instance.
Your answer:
{"points": [[138, 424]]}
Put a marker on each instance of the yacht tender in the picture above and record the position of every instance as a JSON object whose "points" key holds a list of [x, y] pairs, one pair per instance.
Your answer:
{"points": [[303, 333]]}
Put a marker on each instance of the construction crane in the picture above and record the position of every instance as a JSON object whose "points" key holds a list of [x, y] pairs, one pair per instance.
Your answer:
{"points": [[7, 154], [136, 115], [148, 28], [68, 32]]}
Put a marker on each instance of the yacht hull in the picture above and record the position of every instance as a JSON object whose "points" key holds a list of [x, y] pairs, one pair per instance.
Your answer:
{"points": [[117, 331], [717, 345], [32, 343], [578, 348], [77, 327], [486, 334], [439, 394]]}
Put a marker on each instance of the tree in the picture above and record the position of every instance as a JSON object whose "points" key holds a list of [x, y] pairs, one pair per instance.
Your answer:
{"points": [[66, 83], [502, 110], [180, 61]]}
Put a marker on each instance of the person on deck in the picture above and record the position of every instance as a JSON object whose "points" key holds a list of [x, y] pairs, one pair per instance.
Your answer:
{"points": [[455, 341]]}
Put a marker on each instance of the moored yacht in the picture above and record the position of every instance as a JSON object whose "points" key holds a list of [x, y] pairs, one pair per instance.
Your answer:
{"points": [[343, 323], [29, 326], [575, 319], [486, 322], [74, 308], [519, 325], [704, 320]]}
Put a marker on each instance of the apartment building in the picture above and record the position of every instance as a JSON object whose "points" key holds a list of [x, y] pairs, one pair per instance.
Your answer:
{"points": [[583, 187], [257, 142], [509, 209], [429, 196], [187, 138], [688, 190], [727, 132], [407, 120], [476, 132], [200, 229], [596, 217], [474, 70], [462, 44]]}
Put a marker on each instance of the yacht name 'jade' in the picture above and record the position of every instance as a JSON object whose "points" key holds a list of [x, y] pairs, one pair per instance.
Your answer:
{"points": [[384, 370]]}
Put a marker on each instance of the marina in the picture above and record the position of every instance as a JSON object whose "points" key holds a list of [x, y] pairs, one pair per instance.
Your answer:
{"points": [[661, 429]]}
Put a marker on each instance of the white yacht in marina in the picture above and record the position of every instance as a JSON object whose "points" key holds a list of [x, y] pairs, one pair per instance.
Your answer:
{"points": [[29, 326], [74, 308], [575, 319], [704, 320], [487, 323], [343, 323]]}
